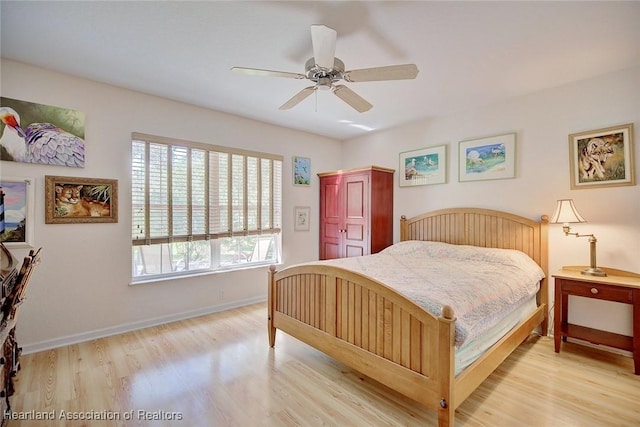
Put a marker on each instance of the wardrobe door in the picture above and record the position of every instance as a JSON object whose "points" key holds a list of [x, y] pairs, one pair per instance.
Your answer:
{"points": [[331, 208], [356, 215]]}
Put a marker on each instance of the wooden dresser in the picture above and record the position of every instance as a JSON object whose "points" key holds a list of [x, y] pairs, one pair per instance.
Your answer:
{"points": [[356, 211]]}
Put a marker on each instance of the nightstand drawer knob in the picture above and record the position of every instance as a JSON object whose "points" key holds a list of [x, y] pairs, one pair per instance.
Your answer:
{"points": [[594, 290]]}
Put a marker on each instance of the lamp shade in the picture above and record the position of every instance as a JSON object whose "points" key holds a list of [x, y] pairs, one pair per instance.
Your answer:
{"points": [[566, 212]]}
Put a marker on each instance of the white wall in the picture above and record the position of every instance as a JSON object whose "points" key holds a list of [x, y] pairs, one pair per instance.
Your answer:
{"points": [[81, 288], [542, 122]]}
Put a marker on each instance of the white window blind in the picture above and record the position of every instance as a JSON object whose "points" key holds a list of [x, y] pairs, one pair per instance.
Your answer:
{"points": [[184, 191]]}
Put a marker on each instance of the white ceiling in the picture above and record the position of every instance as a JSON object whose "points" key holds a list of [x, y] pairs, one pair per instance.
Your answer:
{"points": [[469, 54]]}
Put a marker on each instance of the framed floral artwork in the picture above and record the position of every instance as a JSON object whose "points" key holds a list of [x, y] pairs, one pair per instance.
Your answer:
{"points": [[301, 170]]}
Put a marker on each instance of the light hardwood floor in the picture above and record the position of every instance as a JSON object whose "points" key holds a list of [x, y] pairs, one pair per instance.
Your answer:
{"points": [[218, 370]]}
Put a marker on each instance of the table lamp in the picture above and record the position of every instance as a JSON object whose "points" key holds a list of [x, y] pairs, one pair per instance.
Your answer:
{"points": [[565, 214]]}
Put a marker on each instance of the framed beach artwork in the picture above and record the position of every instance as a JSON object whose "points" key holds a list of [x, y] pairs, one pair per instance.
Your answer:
{"points": [[301, 170], [424, 166], [488, 158], [16, 212], [43, 134], [70, 200], [602, 157]]}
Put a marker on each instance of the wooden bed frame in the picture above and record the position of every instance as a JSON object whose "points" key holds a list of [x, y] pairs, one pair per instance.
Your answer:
{"points": [[380, 333]]}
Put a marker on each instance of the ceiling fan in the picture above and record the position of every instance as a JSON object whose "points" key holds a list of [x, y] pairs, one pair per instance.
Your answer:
{"points": [[325, 70]]}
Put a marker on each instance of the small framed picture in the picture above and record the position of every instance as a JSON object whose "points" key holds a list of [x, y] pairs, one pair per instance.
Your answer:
{"points": [[301, 170], [488, 158], [424, 166], [602, 157], [301, 217], [70, 200], [17, 203]]}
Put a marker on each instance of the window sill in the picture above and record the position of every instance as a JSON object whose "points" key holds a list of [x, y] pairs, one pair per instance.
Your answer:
{"points": [[168, 278]]}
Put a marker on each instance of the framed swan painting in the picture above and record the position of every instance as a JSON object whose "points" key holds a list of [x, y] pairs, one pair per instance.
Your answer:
{"points": [[43, 134]]}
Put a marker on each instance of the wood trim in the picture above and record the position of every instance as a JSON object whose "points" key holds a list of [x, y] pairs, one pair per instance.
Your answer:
{"points": [[271, 306], [359, 169]]}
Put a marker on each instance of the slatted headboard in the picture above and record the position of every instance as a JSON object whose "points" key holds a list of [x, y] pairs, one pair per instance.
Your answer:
{"points": [[483, 227]]}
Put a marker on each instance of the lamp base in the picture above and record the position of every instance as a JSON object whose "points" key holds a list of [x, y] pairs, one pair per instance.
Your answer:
{"points": [[594, 271]]}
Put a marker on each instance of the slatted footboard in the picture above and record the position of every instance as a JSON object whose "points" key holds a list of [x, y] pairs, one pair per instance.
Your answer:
{"points": [[367, 326], [380, 333]]}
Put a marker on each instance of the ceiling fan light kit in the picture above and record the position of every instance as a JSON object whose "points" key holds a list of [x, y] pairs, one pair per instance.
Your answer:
{"points": [[325, 70]]}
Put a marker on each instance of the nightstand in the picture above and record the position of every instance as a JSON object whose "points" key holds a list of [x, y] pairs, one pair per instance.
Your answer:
{"points": [[619, 286]]}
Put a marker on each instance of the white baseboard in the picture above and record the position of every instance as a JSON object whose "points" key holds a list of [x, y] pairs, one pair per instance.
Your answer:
{"points": [[128, 327]]}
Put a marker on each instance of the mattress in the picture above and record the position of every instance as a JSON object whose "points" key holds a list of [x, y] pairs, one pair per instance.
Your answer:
{"points": [[472, 350], [482, 285]]}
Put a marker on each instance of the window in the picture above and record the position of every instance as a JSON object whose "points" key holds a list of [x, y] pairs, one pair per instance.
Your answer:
{"points": [[200, 207]]}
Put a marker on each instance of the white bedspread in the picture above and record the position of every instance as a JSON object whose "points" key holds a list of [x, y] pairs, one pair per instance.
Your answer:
{"points": [[482, 285]]}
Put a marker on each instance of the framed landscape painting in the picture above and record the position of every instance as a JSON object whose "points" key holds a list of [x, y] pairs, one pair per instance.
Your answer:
{"points": [[602, 157], [16, 212], [487, 158]]}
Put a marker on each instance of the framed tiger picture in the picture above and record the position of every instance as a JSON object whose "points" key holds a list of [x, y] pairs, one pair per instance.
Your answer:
{"points": [[70, 200]]}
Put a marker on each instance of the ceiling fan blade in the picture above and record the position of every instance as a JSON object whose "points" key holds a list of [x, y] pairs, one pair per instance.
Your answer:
{"points": [[392, 72], [323, 39], [352, 98], [258, 72], [298, 97]]}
